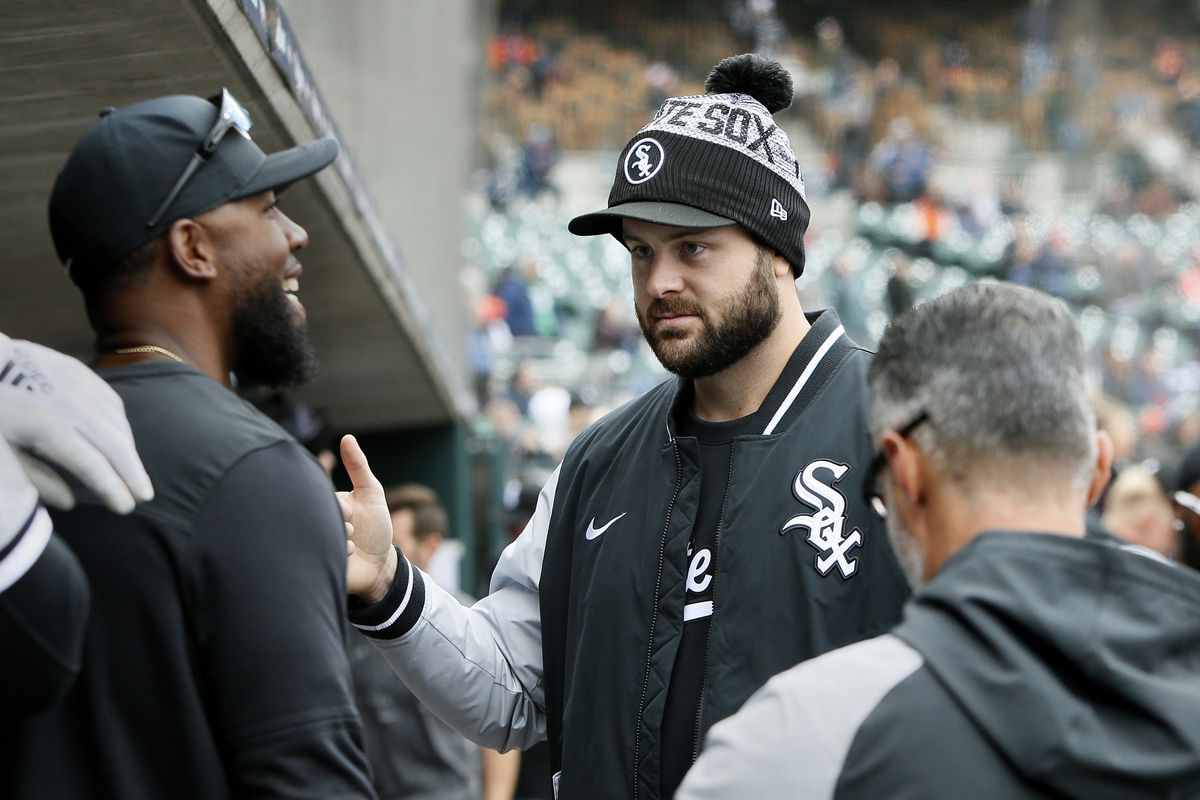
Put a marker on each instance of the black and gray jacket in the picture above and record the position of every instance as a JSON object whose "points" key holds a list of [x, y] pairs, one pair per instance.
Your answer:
{"points": [[577, 639], [1032, 666]]}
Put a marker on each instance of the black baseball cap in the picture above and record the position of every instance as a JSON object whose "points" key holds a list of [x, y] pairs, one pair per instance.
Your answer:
{"points": [[108, 198]]}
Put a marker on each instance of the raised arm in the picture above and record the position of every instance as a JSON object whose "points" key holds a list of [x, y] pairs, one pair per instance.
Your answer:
{"points": [[479, 668]]}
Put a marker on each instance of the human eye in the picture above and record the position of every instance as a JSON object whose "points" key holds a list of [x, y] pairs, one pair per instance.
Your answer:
{"points": [[639, 251], [693, 249]]}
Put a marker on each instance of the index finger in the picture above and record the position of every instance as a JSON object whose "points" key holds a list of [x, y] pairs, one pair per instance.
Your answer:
{"points": [[355, 462], [115, 441]]}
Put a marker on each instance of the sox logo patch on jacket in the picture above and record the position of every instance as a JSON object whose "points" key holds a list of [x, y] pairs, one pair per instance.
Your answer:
{"points": [[826, 524]]}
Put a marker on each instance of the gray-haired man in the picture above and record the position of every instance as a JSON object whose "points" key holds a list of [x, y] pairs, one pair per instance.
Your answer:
{"points": [[1034, 663]]}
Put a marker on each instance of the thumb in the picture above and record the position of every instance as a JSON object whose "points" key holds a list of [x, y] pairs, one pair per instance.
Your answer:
{"points": [[366, 485]]}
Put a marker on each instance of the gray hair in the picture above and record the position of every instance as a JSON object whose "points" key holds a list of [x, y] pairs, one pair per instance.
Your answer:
{"points": [[1000, 371]]}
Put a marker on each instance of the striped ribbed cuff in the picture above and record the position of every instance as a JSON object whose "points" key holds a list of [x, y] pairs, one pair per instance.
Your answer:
{"points": [[25, 548], [399, 610]]}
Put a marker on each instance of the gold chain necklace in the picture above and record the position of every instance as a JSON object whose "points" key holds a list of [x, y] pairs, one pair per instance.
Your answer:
{"points": [[148, 348]]}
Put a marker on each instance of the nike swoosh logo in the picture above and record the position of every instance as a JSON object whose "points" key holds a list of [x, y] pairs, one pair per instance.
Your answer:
{"points": [[593, 531]]}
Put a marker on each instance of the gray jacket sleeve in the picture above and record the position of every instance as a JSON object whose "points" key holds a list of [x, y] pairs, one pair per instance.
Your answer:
{"points": [[479, 669], [791, 737]]}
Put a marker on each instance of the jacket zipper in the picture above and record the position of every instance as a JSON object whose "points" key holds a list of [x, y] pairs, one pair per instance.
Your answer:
{"points": [[662, 554], [708, 635]]}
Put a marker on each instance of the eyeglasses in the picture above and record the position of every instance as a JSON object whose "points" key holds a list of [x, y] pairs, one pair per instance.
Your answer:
{"points": [[1188, 501], [230, 116], [873, 480]]}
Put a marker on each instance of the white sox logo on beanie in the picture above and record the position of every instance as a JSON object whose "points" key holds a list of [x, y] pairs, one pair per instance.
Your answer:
{"points": [[645, 159]]}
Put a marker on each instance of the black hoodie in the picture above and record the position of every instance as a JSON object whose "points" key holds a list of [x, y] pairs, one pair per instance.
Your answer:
{"points": [[1079, 662], [1032, 666]]}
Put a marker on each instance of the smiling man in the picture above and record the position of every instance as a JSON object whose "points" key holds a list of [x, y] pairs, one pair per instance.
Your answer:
{"points": [[199, 680], [703, 537]]}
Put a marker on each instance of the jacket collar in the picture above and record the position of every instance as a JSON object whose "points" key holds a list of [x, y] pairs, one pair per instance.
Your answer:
{"points": [[811, 365]]}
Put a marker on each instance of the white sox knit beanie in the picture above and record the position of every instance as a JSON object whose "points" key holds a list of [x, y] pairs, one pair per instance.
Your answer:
{"points": [[715, 159]]}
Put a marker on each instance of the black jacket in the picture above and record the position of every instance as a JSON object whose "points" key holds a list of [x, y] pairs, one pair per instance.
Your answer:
{"points": [[1032, 666], [580, 631]]}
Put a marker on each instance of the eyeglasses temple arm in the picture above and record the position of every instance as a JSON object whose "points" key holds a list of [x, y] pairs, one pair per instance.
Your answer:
{"points": [[191, 167]]}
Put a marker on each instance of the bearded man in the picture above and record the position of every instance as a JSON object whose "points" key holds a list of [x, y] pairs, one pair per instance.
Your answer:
{"points": [[198, 679], [698, 540]]}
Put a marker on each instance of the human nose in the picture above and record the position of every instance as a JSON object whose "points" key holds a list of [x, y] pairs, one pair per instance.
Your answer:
{"points": [[663, 276], [297, 237]]}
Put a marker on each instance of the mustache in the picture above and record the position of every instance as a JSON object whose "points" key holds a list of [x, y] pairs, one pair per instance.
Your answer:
{"points": [[664, 306]]}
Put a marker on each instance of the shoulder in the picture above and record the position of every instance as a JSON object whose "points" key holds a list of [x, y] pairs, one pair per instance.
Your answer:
{"points": [[190, 432], [792, 736], [866, 670], [189, 411]]}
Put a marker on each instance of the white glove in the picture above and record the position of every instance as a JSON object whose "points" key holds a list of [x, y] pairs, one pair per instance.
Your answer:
{"points": [[55, 408]]}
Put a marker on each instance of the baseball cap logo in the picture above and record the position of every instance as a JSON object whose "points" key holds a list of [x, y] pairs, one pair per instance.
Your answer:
{"points": [[643, 161]]}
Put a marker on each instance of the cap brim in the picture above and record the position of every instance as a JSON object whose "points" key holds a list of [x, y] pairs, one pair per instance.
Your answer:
{"points": [[288, 166], [676, 215]]}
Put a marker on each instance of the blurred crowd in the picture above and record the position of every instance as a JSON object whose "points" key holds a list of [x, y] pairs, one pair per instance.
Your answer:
{"points": [[1112, 96]]}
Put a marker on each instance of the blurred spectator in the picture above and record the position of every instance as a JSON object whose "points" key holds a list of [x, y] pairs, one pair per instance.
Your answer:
{"points": [[1012, 198], [487, 338], [1187, 108], [1187, 497], [1137, 510], [844, 89], [770, 32], [518, 309], [954, 69], [846, 296], [899, 291], [903, 160], [543, 304], [662, 81], [1051, 266], [615, 329], [539, 156], [522, 386], [1116, 199], [1168, 61], [549, 414], [511, 49], [934, 219], [581, 415]]}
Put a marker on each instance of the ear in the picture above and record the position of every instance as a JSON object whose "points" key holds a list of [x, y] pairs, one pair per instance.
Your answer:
{"points": [[430, 545], [1102, 470], [907, 467], [781, 266], [192, 250]]}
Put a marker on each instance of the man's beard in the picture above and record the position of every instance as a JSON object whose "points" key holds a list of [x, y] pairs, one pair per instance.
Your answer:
{"points": [[747, 319], [270, 349], [907, 551]]}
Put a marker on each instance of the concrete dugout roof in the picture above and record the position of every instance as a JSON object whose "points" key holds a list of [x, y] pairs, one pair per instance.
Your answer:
{"points": [[61, 62]]}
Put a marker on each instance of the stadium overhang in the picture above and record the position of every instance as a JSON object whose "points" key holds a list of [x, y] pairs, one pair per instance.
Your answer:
{"points": [[382, 364]]}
